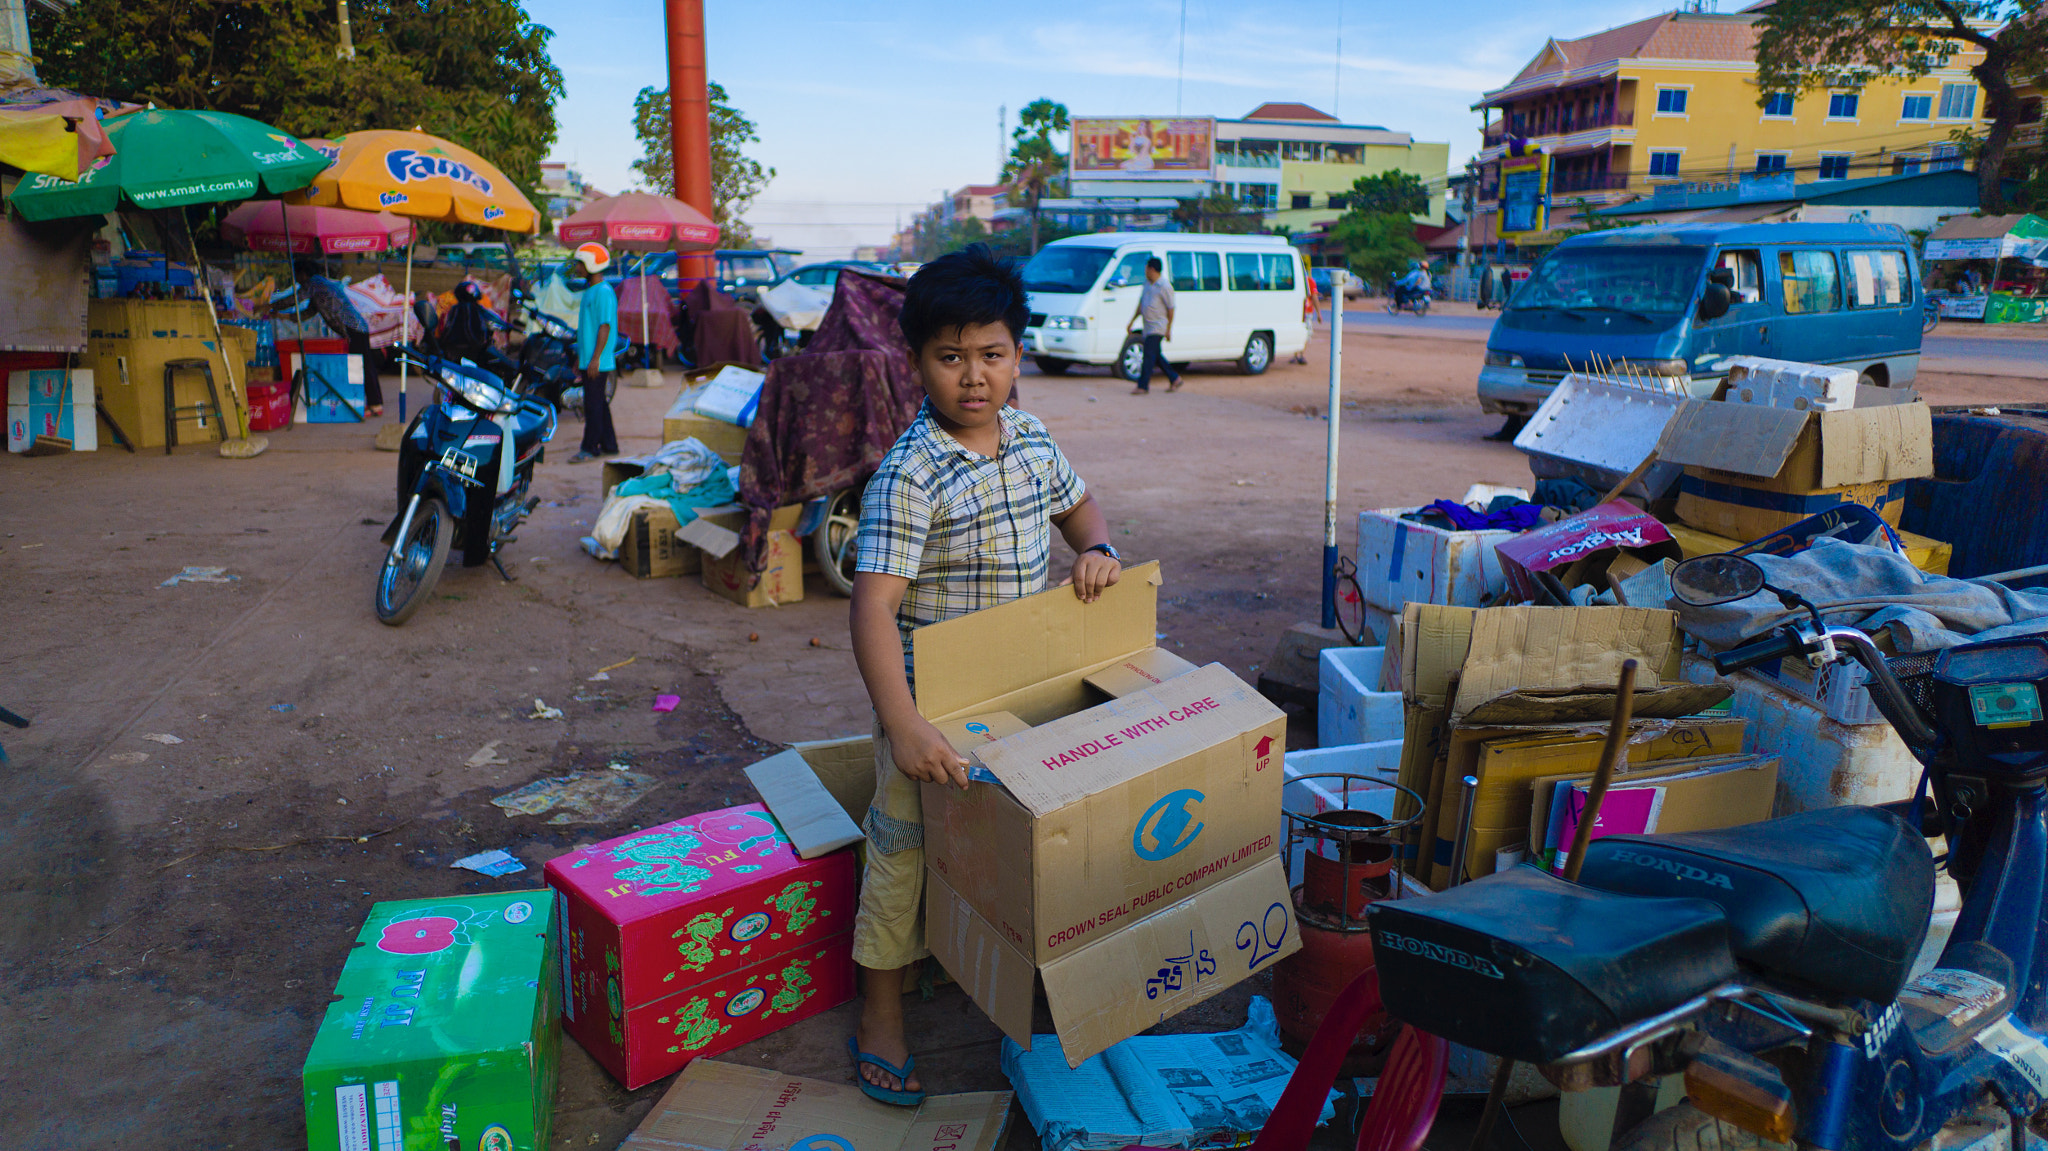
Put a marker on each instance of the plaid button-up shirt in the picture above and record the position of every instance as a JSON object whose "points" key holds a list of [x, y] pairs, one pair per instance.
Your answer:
{"points": [[967, 530]]}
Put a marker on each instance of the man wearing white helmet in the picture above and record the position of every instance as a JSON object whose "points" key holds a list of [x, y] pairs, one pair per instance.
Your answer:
{"points": [[596, 319]]}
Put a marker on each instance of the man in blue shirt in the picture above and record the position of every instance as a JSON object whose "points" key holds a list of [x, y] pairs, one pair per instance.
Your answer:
{"points": [[596, 320]]}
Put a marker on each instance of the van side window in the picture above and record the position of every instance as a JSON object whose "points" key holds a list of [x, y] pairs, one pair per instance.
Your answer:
{"points": [[1810, 281], [1279, 271], [1129, 270], [1247, 272], [1878, 279], [1195, 271], [1749, 275]]}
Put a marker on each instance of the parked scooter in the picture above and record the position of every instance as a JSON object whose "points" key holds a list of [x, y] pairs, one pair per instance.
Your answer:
{"points": [[458, 485], [1769, 963]]}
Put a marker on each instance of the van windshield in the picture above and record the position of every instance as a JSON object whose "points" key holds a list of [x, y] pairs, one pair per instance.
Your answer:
{"points": [[1649, 284], [1071, 269]]}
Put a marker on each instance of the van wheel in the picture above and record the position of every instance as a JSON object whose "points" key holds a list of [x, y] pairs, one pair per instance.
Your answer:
{"points": [[1130, 363], [1873, 379], [1053, 365], [1258, 355]]}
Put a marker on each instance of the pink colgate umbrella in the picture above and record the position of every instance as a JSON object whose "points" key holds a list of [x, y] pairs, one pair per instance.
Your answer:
{"points": [[640, 222], [273, 226]]}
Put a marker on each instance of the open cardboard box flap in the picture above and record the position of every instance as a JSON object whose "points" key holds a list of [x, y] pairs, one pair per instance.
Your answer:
{"points": [[1069, 759], [1886, 436], [1549, 648], [975, 660]]}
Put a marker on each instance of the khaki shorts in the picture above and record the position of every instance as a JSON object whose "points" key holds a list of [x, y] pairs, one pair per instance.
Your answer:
{"points": [[888, 930]]}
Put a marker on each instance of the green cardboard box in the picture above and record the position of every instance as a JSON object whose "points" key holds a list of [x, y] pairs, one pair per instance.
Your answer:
{"points": [[443, 1031]]}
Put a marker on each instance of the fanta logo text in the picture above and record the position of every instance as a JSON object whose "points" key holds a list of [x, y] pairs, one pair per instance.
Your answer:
{"points": [[1673, 867], [406, 165], [389, 198], [1438, 953], [1133, 732]]}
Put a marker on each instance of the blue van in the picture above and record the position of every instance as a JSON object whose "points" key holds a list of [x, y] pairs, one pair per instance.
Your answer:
{"points": [[1676, 300]]}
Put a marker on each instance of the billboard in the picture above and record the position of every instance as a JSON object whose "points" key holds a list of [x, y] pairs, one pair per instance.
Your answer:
{"points": [[1143, 148], [1524, 191]]}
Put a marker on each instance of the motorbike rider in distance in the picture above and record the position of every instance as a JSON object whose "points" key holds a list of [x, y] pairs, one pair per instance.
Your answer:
{"points": [[1413, 286]]}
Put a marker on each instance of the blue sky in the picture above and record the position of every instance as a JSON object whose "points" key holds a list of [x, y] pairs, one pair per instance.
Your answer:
{"points": [[869, 110]]}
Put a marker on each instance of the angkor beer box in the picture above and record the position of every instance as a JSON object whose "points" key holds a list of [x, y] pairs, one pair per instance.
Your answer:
{"points": [[698, 935], [1127, 855], [442, 1031]]}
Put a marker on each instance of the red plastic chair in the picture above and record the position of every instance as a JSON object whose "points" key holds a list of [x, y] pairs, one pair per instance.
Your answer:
{"points": [[1403, 1105]]}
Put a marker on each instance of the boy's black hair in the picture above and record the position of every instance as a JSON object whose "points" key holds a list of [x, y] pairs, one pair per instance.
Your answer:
{"points": [[971, 286], [1155, 264]]}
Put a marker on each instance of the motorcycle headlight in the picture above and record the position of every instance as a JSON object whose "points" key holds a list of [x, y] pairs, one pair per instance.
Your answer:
{"points": [[479, 394], [1070, 323], [1502, 359]]}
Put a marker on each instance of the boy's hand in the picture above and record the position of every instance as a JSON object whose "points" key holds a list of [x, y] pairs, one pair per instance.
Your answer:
{"points": [[1093, 572], [924, 755]]}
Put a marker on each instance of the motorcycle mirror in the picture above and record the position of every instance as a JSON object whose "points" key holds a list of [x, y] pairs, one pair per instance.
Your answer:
{"points": [[1717, 579]]}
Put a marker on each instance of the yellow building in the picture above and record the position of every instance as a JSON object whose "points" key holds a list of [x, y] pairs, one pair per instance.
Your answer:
{"points": [[1674, 99], [1296, 163]]}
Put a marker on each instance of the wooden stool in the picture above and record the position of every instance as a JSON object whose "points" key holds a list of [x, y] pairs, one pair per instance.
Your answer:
{"points": [[197, 413]]}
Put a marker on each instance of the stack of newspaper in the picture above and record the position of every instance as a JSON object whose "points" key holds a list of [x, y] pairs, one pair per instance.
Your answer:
{"points": [[1159, 1090]]}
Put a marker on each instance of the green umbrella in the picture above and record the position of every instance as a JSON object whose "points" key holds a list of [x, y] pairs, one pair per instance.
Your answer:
{"points": [[167, 159]]}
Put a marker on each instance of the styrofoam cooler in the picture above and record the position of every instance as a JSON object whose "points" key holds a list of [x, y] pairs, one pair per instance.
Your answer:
{"points": [[1380, 760], [1823, 763], [1349, 708], [733, 395], [1401, 560], [51, 402]]}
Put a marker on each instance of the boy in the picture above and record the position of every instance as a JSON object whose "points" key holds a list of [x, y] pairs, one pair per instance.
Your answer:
{"points": [[958, 517]]}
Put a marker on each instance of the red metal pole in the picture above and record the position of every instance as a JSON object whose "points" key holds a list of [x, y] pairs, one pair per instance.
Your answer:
{"points": [[689, 118]]}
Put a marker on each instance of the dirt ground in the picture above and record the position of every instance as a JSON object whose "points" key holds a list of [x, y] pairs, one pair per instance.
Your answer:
{"points": [[222, 777]]}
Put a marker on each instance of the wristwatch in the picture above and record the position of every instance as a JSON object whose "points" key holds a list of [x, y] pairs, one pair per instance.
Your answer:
{"points": [[1105, 549]]}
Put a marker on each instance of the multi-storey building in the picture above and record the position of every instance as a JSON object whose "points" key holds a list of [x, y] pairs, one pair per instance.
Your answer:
{"points": [[1297, 164], [1674, 99]]}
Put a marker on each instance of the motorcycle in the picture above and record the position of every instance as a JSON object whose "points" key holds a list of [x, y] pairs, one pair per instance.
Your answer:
{"points": [[459, 487], [1400, 299], [1769, 963]]}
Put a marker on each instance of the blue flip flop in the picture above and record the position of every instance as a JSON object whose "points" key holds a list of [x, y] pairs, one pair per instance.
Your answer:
{"points": [[884, 1094]]}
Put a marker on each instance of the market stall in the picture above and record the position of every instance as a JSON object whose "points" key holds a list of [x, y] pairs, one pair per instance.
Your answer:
{"points": [[1990, 268]]}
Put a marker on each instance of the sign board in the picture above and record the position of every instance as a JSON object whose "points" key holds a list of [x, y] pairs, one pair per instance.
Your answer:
{"points": [[1144, 148], [1524, 192]]}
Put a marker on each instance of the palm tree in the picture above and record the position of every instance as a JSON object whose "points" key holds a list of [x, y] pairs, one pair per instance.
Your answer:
{"points": [[1036, 166]]}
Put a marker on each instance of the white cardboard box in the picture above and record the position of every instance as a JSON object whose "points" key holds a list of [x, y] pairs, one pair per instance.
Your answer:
{"points": [[1400, 561]]}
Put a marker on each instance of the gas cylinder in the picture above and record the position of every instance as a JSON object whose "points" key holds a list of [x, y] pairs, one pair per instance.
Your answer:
{"points": [[1329, 907]]}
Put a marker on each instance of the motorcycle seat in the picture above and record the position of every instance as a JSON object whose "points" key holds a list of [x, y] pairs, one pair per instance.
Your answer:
{"points": [[1524, 965], [1837, 898]]}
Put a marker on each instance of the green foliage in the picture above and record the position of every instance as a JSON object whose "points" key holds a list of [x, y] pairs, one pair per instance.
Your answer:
{"points": [[1377, 245], [1810, 44], [1036, 167], [736, 178], [1220, 214], [475, 72], [1391, 192], [1588, 222]]}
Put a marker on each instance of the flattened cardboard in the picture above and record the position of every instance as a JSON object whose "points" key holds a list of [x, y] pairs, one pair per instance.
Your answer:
{"points": [[809, 815], [1144, 670], [975, 661], [1149, 971], [726, 1107], [1537, 648]]}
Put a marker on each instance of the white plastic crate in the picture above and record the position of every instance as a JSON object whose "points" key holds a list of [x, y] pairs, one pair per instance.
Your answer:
{"points": [[1379, 760], [1840, 690], [1349, 707], [1400, 560]]}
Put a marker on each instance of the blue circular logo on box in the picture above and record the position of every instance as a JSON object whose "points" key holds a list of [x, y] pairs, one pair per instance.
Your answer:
{"points": [[1167, 827]]}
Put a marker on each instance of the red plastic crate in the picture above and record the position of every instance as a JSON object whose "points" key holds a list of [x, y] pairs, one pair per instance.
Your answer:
{"points": [[697, 936]]}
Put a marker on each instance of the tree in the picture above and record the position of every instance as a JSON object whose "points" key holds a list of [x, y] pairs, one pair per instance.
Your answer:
{"points": [[1398, 193], [1036, 165], [1808, 44], [1377, 245], [1220, 214], [736, 178], [475, 72]]}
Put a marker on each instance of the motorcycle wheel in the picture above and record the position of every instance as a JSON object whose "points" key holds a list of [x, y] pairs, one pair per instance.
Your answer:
{"points": [[832, 543], [407, 578], [1422, 305], [1687, 1128]]}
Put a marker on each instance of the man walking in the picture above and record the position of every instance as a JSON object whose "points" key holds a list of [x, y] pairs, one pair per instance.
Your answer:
{"points": [[1155, 306], [597, 318]]}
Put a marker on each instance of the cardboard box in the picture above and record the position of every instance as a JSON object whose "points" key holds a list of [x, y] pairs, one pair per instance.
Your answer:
{"points": [[1751, 470], [51, 402], [127, 344], [1692, 795], [1929, 555], [1580, 548], [683, 423], [1401, 561], [1116, 829], [442, 1028], [652, 548], [717, 1106], [724, 564], [699, 935]]}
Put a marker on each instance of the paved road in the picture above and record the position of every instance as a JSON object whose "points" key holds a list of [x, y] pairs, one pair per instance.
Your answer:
{"points": [[1960, 353]]}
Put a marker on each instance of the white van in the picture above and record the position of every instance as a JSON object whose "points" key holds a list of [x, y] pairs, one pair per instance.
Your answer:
{"points": [[1236, 298]]}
